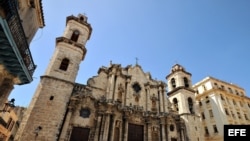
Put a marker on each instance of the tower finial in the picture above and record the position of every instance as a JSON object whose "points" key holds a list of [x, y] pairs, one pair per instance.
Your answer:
{"points": [[110, 62], [136, 60]]}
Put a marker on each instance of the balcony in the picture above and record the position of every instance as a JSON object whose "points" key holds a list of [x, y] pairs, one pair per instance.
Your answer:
{"points": [[15, 55]]}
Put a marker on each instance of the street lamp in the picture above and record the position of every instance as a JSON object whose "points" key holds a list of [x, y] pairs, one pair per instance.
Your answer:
{"points": [[8, 106]]}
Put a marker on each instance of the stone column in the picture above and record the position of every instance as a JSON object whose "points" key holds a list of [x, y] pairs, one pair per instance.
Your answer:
{"points": [[166, 128], [147, 98], [126, 91], [106, 127], [149, 132], [183, 133], [98, 126], [111, 88], [163, 99], [147, 129], [112, 126], [102, 128], [163, 136], [180, 130], [125, 126], [160, 100], [158, 105]]}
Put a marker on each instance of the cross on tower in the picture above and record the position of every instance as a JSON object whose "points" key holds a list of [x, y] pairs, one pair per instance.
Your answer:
{"points": [[136, 60]]}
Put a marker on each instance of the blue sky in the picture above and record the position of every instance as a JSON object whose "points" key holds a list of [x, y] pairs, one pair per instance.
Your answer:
{"points": [[207, 37]]}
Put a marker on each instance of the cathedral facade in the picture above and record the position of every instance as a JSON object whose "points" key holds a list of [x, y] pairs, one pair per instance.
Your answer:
{"points": [[118, 104]]}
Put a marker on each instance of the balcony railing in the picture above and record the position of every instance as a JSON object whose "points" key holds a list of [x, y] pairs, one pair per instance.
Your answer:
{"points": [[9, 8]]}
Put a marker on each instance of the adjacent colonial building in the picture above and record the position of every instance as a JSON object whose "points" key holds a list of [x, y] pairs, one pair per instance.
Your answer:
{"points": [[8, 122], [19, 21], [221, 103]]}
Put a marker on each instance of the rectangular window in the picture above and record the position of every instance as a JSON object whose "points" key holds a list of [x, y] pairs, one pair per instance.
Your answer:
{"points": [[207, 99], [203, 115], [237, 93], [215, 85], [232, 114], [226, 111], [200, 103], [238, 113], [246, 117], [206, 131], [215, 129], [222, 87], [211, 113]]}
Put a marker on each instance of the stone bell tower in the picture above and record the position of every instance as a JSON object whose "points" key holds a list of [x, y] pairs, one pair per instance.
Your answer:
{"points": [[182, 97], [45, 114], [180, 90]]}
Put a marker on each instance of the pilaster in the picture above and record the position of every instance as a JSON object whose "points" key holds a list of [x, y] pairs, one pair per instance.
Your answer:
{"points": [[160, 99], [149, 132], [111, 86], [106, 127], [112, 126], [126, 91], [162, 125], [125, 127], [98, 126]]}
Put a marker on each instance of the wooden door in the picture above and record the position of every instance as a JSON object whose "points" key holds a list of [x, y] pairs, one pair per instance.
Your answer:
{"points": [[135, 132], [80, 134]]}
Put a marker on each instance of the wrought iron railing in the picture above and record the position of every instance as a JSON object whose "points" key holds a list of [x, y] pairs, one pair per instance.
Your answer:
{"points": [[9, 8]]}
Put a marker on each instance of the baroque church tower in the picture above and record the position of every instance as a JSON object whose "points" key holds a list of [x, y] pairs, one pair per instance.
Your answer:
{"points": [[45, 114], [182, 97]]}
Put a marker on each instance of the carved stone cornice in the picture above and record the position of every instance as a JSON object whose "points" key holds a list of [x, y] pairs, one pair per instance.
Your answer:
{"points": [[180, 88], [73, 43]]}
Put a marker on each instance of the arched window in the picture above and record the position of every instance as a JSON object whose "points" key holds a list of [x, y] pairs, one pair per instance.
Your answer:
{"points": [[175, 101], [173, 83], [64, 64], [81, 19], [190, 105], [75, 35], [185, 82]]}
